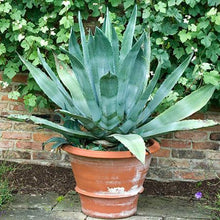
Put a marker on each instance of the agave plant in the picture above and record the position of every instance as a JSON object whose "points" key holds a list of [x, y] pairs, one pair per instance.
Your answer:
{"points": [[104, 98]]}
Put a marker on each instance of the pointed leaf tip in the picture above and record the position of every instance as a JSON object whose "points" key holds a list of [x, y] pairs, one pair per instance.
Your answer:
{"points": [[135, 144]]}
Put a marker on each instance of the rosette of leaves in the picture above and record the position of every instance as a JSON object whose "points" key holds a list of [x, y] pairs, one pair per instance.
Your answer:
{"points": [[105, 97]]}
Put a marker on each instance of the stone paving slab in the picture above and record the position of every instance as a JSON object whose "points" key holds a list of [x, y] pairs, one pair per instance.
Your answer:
{"points": [[53, 207]]}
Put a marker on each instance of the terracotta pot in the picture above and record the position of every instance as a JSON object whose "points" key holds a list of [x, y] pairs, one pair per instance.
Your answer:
{"points": [[108, 182]]}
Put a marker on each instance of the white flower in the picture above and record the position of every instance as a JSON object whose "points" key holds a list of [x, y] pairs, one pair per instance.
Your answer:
{"points": [[20, 26], [66, 3], [185, 20], [44, 29], [194, 49], [94, 3], [52, 33], [4, 85], [45, 18], [101, 20], [200, 73], [151, 73], [150, 98], [193, 58], [21, 37], [100, 8], [43, 43]]}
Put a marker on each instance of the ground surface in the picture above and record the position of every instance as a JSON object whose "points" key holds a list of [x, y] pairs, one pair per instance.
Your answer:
{"points": [[42, 179]]}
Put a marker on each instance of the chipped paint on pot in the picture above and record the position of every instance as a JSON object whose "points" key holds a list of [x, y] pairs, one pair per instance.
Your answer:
{"points": [[108, 183]]}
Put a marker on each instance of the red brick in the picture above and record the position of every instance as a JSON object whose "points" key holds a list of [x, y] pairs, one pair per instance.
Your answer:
{"points": [[3, 106], [16, 155], [16, 107], [7, 89], [214, 116], [198, 116], [167, 136], [212, 128], [215, 136], [201, 165], [14, 135], [189, 175], [5, 98], [206, 145], [42, 137], [175, 144], [24, 126], [213, 155], [46, 156], [21, 78], [162, 153], [191, 135], [6, 144], [29, 145], [216, 164], [173, 163], [5, 126]]}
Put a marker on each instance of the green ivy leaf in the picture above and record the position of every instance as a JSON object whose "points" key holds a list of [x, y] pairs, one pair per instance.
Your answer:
{"points": [[14, 95], [67, 21], [213, 2], [4, 25], [146, 13], [11, 69], [212, 77], [184, 36], [211, 12], [174, 12], [115, 3], [169, 29], [178, 52], [2, 48], [192, 27], [217, 19], [171, 3], [128, 3], [5, 7], [30, 100], [161, 7], [213, 52], [207, 40]]}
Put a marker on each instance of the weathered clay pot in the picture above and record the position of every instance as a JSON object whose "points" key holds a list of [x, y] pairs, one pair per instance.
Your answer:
{"points": [[108, 182]]}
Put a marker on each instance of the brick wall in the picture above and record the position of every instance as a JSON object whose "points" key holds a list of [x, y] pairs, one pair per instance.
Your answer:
{"points": [[185, 155]]}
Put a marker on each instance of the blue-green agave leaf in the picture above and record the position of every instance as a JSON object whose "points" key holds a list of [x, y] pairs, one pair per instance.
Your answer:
{"points": [[107, 26], [109, 91], [49, 87], [182, 109], [164, 89], [70, 81], [125, 73], [52, 126], [139, 103], [74, 47], [178, 126], [135, 144], [82, 77], [128, 35]]}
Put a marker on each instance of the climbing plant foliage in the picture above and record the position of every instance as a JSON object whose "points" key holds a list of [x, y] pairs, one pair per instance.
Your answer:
{"points": [[177, 27]]}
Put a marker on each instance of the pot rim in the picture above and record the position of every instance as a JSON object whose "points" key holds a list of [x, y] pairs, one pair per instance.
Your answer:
{"points": [[107, 154]]}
